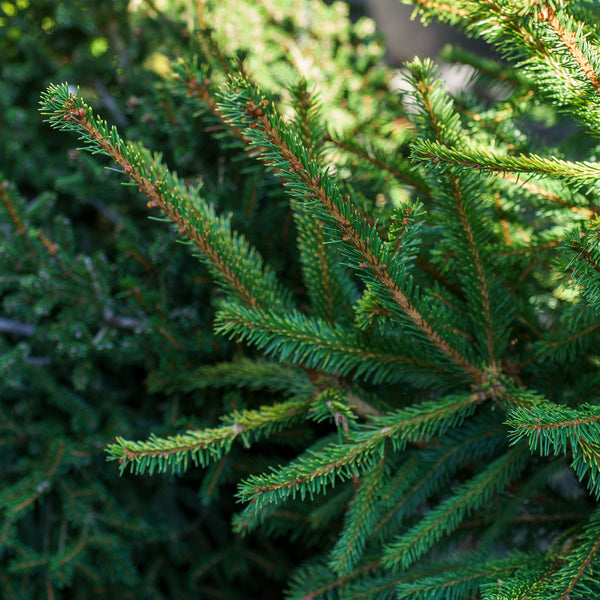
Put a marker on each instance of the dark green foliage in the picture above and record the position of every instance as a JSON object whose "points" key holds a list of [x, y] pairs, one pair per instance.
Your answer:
{"points": [[386, 352]]}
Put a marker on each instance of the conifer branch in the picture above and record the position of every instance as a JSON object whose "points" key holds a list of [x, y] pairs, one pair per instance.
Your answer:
{"points": [[174, 453], [568, 574], [359, 521], [549, 41], [21, 224], [245, 106], [308, 120], [447, 515], [197, 85], [422, 329], [4, 186], [17, 499], [317, 344], [445, 10], [488, 160], [307, 580], [420, 479], [558, 349], [583, 251], [328, 282], [461, 578], [233, 262], [572, 38], [241, 374], [513, 510], [554, 429], [313, 472], [565, 197], [580, 565], [439, 125]]}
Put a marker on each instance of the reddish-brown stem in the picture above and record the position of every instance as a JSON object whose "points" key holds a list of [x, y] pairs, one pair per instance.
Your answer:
{"points": [[351, 235], [158, 198], [10, 208]]}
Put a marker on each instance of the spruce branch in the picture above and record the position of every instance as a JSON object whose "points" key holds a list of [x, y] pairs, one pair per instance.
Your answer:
{"points": [[554, 429], [399, 167], [174, 453], [568, 574], [308, 119], [573, 38], [447, 516], [582, 251], [20, 222], [317, 581], [547, 189], [235, 265], [512, 511], [4, 187], [244, 373], [328, 282], [335, 406], [421, 325], [18, 499], [198, 84], [558, 50], [359, 521], [423, 476], [313, 472], [577, 576], [460, 578], [448, 580], [580, 329], [439, 124], [245, 106], [527, 581], [317, 344], [487, 160]]}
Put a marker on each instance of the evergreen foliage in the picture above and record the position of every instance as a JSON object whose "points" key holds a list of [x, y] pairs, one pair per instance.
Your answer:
{"points": [[403, 291]]}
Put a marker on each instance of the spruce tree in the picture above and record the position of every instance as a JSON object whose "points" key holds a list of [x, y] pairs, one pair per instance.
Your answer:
{"points": [[413, 384]]}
